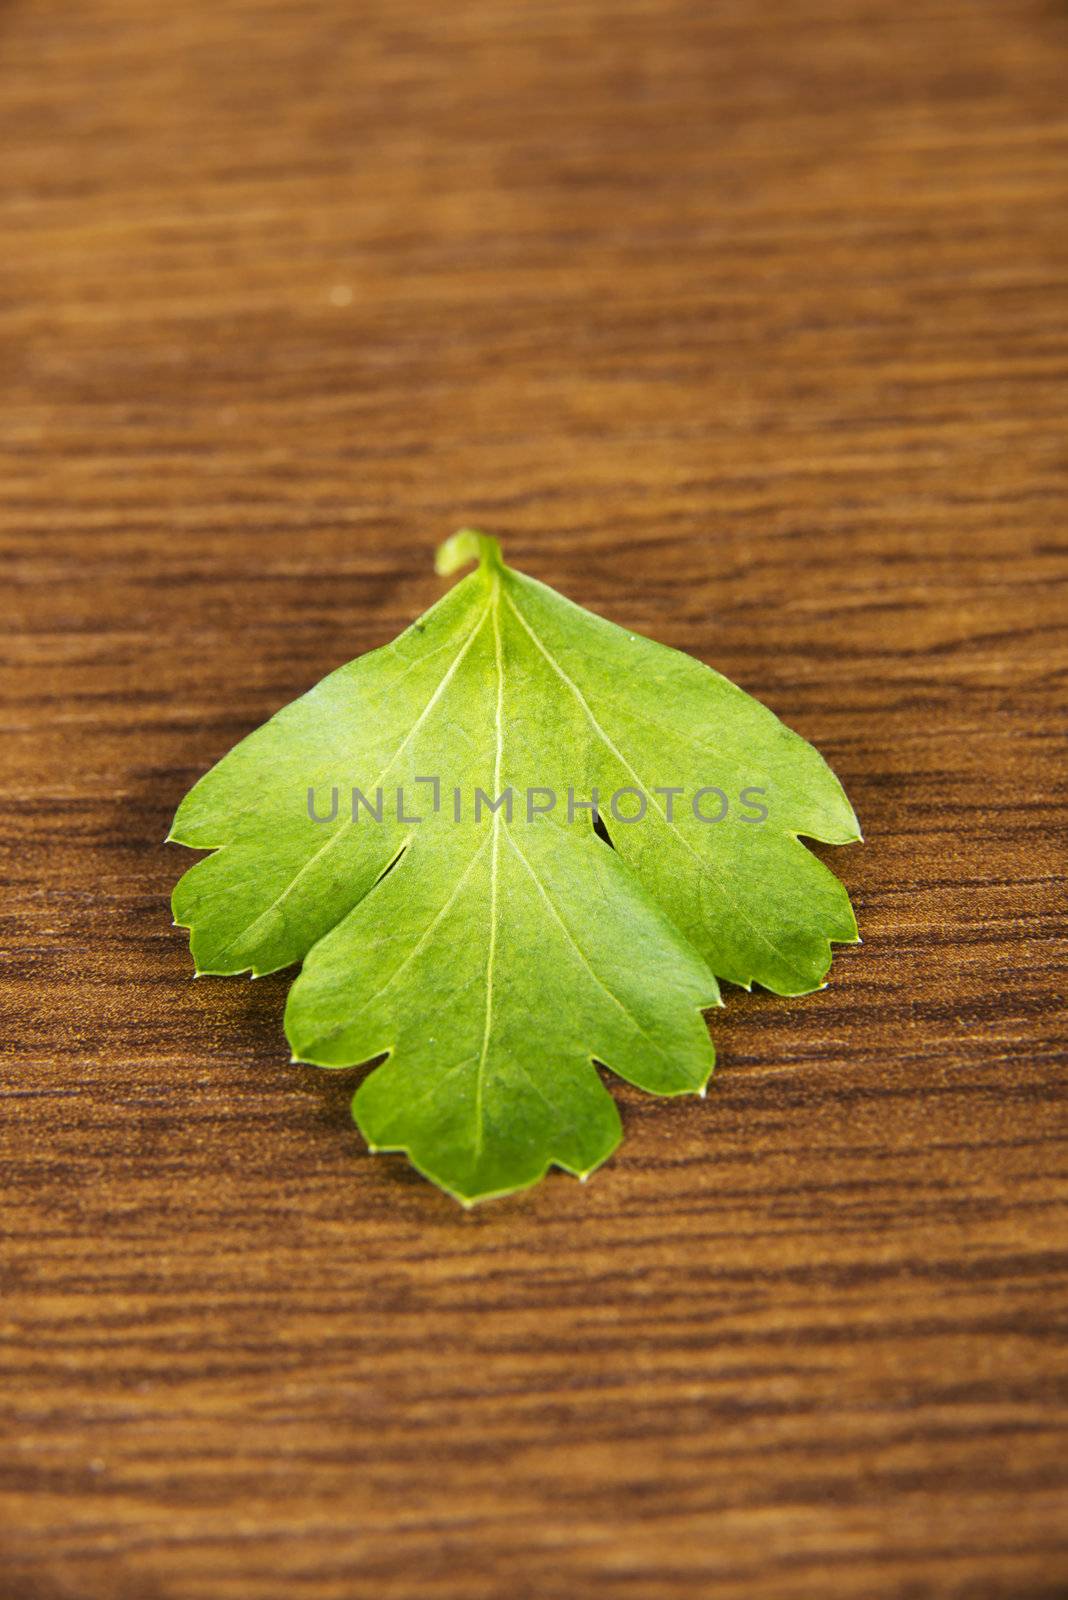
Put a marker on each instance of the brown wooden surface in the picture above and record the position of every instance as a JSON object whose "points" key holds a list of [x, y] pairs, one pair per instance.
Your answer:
{"points": [[744, 324]]}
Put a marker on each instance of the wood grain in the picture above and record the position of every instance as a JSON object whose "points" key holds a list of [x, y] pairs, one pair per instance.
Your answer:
{"points": [[746, 326]]}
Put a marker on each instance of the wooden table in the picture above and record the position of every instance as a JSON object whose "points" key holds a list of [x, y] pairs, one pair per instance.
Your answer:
{"points": [[746, 326]]}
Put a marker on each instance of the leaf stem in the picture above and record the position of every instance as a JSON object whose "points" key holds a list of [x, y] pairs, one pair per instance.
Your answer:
{"points": [[468, 545]]}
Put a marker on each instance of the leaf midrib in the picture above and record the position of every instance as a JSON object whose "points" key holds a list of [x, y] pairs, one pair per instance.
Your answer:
{"points": [[495, 607]]}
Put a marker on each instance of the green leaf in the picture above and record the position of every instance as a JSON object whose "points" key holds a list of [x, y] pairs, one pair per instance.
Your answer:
{"points": [[493, 959]]}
